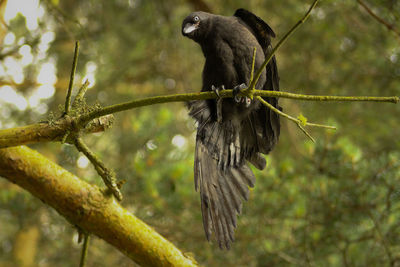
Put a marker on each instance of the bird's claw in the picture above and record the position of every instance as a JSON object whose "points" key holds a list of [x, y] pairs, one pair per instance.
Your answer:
{"points": [[216, 90], [219, 101], [241, 99]]}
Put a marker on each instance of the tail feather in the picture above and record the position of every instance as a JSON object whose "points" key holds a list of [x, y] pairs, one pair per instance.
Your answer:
{"points": [[221, 194], [230, 145]]}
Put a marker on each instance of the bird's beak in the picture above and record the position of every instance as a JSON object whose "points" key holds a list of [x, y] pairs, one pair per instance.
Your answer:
{"points": [[189, 27]]}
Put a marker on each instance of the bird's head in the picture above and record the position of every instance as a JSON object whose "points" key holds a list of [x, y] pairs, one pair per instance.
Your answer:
{"points": [[194, 26]]}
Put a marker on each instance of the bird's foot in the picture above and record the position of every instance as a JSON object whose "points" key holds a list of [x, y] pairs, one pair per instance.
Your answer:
{"points": [[219, 101], [216, 90], [241, 99]]}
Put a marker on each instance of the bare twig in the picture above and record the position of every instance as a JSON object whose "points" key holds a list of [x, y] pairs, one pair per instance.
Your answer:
{"points": [[280, 43], [389, 26], [71, 80], [251, 89], [85, 247], [298, 122], [106, 174], [81, 92]]}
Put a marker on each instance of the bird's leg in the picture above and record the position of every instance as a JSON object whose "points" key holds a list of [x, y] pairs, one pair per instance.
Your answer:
{"points": [[241, 99], [219, 101]]}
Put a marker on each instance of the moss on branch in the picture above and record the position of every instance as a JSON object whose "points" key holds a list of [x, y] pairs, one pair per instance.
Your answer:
{"points": [[87, 206], [49, 131]]}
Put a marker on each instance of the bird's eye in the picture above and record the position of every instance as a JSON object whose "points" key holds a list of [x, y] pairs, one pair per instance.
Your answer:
{"points": [[196, 18]]}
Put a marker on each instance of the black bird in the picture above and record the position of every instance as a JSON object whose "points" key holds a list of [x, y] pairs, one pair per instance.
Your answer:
{"points": [[230, 131]]}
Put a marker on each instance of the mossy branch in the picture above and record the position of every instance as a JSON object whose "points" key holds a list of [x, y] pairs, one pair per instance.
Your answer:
{"points": [[50, 131], [87, 207], [224, 94], [55, 130]]}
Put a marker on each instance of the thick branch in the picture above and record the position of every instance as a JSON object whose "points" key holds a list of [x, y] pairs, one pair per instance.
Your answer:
{"points": [[48, 131], [87, 207]]}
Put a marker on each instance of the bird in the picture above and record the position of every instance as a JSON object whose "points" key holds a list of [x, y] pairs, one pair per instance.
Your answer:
{"points": [[231, 132]]}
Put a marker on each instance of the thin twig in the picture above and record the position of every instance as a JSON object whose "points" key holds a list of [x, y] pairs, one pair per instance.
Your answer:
{"points": [[253, 64], [64, 138], [390, 27], [299, 123], [280, 43], [85, 247], [71, 80], [82, 91], [249, 92], [106, 174]]}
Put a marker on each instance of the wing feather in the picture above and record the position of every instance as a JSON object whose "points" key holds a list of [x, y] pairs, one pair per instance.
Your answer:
{"points": [[221, 194]]}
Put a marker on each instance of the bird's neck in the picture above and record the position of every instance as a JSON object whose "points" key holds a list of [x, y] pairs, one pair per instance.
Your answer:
{"points": [[209, 46]]}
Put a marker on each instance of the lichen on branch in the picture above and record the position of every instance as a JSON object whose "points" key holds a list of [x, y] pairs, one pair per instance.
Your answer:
{"points": [[87, 207]]}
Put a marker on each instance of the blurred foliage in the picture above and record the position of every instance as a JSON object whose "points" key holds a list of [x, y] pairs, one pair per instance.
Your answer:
{"points": [[333, 203]]}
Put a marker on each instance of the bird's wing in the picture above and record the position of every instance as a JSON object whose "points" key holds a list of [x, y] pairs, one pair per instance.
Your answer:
{"points": [[260, 28], [266, 117], [230, 146], [221, 194], [220, 171]]}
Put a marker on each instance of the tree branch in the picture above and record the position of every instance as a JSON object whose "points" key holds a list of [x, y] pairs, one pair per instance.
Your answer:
{"points": [[85, 247], [71, 80], [280, 43], [105, 173], [54, 131], [390, 27], [87, 206], [49, 131], [299, 123], [224, 94]]}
